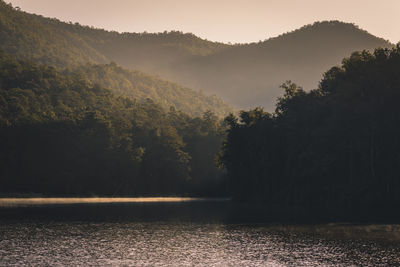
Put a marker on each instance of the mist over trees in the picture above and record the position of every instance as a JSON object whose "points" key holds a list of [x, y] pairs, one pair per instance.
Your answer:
{"points": [[331, 151], [62, 135], [61, 45], [249, 75], [243, 75], [69, 126], [139, 86]]}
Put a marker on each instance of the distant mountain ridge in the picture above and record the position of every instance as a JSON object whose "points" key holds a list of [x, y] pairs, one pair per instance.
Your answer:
{"points": [[78, 48], [54, 42], [250, 74], [243, 75]]}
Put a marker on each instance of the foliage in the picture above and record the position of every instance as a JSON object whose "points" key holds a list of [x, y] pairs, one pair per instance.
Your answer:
{"points": [[248, 75], [61, 134], [61, 45], [57, 43], [138, 86], [215, 68], [332, 151]]}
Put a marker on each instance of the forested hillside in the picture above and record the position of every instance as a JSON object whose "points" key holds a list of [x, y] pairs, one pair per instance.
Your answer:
{"points": [[250, 75], [243, 75], [138, 86], [331, 152], [58, 44], [60, 134]]}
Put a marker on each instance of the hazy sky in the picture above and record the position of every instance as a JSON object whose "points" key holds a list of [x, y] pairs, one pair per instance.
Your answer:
{"points": [[221, 20]]}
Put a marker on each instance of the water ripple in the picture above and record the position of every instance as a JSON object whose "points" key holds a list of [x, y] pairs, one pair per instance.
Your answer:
{"points": [[181, 244]]}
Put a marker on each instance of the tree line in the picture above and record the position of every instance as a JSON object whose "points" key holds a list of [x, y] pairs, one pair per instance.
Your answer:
{"points": [[331, 151], [62, 134]]}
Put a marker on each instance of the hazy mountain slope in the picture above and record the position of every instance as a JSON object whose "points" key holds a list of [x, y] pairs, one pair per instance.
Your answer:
{"points": [[54, 42], [44, 40], [49, 41], [139, 86], [243, 75], [250, 75]]}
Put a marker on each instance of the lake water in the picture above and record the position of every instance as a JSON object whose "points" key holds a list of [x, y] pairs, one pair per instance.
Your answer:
{"points": [[173, 233]]}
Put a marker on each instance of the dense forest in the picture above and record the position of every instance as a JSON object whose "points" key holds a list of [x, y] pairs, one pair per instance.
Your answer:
{"points": [[331, 151], [61, 134], [140, 86], [73, 124], [61, 45], [243, 75], [57, 43]]}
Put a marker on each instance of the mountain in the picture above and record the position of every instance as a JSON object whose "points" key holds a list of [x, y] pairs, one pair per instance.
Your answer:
{"points": [[243, 75], [139, 86], [86, 51], [58, 43], [250, 75]]}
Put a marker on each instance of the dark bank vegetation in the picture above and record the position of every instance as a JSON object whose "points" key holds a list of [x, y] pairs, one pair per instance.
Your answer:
{"points": [[333, 151], [62, 134]]}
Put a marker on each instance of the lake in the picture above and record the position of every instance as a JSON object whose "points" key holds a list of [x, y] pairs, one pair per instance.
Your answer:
{"points": [[178, 232]]}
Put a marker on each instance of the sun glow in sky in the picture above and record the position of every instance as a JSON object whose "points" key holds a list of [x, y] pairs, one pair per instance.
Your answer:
{"points": [[236, 21]]}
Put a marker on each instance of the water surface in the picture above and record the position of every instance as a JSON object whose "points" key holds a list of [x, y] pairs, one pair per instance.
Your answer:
{"points": [[180, 233]]}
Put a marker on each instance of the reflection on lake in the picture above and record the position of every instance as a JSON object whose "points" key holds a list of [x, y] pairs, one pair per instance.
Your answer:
{"points": [[94, 200], [181, 234]]}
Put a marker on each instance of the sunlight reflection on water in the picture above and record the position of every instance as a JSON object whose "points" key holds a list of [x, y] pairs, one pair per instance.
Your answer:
{"points": [[176, 232], [4, 202], [179, 244]]}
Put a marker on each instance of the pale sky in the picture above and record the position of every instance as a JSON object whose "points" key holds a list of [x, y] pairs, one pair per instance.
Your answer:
{"points": [[235, 21]]}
